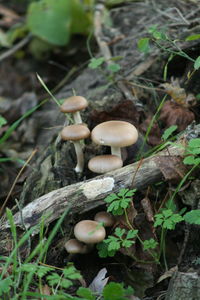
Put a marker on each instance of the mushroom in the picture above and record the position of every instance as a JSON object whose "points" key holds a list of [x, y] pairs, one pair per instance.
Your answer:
{"points": [[89, 232], [74, 246], [75, 133], [73, 105], [104, 217], [116, 134], [104, 163]]}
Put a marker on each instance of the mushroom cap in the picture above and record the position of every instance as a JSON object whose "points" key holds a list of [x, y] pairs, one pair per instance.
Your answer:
{"points": [[104, 217], [75, 132], [89, 232], [115, 133], [73, 104], [104, 163], [74, 246]]}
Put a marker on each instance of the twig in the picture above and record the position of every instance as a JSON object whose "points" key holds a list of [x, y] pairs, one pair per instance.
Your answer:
{"points": [[16, 47]]}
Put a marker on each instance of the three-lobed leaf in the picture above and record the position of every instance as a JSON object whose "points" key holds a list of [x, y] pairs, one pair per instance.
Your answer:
{"points": [[192, 217]]}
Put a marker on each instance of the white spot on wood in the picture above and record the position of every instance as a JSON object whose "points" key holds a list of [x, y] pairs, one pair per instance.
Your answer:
{"points": [[97, 187]]}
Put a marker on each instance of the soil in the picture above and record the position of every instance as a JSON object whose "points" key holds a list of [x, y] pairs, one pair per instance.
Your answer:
{"points": [[52, 167]]}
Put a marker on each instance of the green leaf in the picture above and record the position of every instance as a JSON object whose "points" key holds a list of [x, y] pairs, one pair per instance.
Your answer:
{"points": [[169, 132], [50, 20], [197, 63], [193, 217], [5, 285], [193, 37], [85, 293], [116, 291], [191, 160], [103, 250], [143, 45], [71, 273], [150, 244], [96, 62], [81, 16], [114, 68], [3, 121], [132, 234], [194, 143]]}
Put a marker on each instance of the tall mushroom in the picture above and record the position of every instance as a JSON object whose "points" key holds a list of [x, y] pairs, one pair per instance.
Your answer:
{"points": [[73, 105], [115, 134], [75, 133]]}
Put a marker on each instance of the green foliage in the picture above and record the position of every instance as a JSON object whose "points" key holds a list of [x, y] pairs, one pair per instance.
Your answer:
{"points": [[193, 37], [5, 285], [192, 217], [120, 201], [143, 45], [114, 67], [85, 293], [167, 219], [168, 132], [192, 150], [120, 239], [150, 244], [197, 63], [55, 21], [96, 62], [2, 121], [116, 291]]}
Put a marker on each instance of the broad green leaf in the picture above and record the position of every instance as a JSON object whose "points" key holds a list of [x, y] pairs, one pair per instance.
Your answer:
{"points": [[143, 45], [81, 17], [85, 293], [116, 291], [191, 160], [193, 217], [169, 132], [193, 37], [194, 143], [197, 63], [50, 20]]}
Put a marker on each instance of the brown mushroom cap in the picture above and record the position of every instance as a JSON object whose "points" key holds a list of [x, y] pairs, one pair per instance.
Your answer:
{"points": [[89, 232], [75, 132], [104, 163], [104, 217], [115, 133], [73, 104], [74, 246]]}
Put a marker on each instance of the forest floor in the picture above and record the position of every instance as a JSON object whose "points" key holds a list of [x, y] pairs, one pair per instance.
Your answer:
{"points": [[148, 78]]}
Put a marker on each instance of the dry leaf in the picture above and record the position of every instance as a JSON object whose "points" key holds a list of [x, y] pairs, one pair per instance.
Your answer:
{"points": [[172, 167], [99, 282], [168, 274], [147, 207], [175, 114]]}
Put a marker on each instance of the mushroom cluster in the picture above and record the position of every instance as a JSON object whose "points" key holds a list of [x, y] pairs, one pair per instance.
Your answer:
{"points": [[89, 232], [116, 134]]}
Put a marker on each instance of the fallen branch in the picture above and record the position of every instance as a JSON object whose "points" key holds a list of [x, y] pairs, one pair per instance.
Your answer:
{"points": [[84, 196]]}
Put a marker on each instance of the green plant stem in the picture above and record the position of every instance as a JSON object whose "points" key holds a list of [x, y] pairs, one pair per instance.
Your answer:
{"points": [[138, 237]]}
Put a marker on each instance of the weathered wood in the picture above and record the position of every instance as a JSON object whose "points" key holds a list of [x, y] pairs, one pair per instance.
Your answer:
{"points": [[87, 195], [184, 286]]}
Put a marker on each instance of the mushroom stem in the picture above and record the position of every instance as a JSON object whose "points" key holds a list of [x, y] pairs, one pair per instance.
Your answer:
{"points": [[80, 158], [77, 117], [116, 151]]}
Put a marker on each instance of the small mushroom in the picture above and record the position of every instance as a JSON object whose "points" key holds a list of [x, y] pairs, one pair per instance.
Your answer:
{"points": [[104, 163], [74, 246], [104, 217], [75, 133], [89, 232], [73, 105], [115, 134]]}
